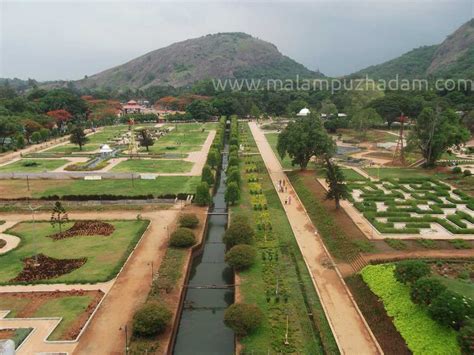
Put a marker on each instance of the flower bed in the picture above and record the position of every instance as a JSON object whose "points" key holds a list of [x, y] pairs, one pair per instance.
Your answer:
{"points": [[422, 334]]}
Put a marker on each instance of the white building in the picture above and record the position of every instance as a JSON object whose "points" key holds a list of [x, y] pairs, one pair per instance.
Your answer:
{"points": [[303, 112]]}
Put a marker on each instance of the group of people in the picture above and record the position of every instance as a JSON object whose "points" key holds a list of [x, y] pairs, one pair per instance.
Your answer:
{"points": [[283, 188]]}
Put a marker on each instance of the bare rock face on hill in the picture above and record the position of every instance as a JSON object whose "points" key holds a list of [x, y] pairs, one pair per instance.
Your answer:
{"points": [[222, 55], [454, 58]]}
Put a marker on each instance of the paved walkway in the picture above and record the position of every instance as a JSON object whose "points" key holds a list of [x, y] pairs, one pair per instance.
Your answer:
{"points": [[11, 240], [350, 330]]}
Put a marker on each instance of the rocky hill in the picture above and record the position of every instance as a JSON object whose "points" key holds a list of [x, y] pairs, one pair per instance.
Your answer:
{"points": [[454, 58], [221, 55]]}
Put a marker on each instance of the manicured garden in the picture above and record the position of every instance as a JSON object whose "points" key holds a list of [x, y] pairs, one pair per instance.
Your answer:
{"points": [[86, 255], [33, 165], [74, 307], [278, 282], [430, 315], [153, 166], [413, 205], [161, 186]]}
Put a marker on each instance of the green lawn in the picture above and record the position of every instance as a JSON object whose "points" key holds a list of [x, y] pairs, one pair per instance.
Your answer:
{"points": [[162, 185], [352, 175], [397, 173], [69, 308], [463, 287], [69, 148], [40, 165], [153, 166], [272, 139], [105, 255]]}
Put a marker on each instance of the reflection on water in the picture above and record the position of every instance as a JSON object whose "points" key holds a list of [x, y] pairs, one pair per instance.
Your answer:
{"points": [[201, 328]]}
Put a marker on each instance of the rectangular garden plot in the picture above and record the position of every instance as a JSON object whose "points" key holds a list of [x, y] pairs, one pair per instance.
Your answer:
{"points": [[413, 208]]}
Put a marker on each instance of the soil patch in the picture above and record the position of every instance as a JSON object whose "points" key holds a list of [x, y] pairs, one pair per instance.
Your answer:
{"points": [[42, 267], [374, 313], [2, 243], [7, 334], [85, 228], [453, 270]]}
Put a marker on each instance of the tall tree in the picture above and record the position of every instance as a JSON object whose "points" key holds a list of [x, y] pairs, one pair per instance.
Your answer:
{"points": [[435, 131], [364, 119], [78, 136], [336, 181], [303, 139], [146, 140]]}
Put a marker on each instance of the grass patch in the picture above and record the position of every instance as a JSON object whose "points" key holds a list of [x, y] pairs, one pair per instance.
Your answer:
{"points": [[153, 166], [427, 243], [33, 165], [396, 243], [162, 185], [272, 139], [105, 255], [69, 308], [397, 173], [460, 244]]}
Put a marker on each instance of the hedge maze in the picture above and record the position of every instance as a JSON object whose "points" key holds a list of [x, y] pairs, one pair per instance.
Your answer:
{"points": [[413, 206]]}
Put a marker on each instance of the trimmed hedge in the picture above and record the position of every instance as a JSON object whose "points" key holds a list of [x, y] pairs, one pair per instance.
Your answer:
{"points": [[182, 238]]}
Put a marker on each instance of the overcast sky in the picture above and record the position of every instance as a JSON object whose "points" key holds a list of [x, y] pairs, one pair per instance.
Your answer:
{"points": [[69, 39]]}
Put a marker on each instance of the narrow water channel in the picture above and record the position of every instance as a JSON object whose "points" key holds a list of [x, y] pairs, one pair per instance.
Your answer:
{"points": [[201, 328]]}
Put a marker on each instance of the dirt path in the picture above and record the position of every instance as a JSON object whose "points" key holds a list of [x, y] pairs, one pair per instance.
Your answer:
{"points": [[350, 330], [435, 254], [11, 240], [123, 295]]}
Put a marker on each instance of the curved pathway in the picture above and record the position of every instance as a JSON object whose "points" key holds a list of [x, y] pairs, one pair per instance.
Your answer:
{"points": [[12, 240], [122, 295], [349, 327]]}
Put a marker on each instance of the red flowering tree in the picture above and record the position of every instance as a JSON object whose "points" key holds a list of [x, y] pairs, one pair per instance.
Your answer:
{"points": [[60, 116]]}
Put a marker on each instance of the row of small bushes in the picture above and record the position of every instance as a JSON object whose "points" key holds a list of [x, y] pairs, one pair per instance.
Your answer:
{"points": [[108, 197], [234, 180]]}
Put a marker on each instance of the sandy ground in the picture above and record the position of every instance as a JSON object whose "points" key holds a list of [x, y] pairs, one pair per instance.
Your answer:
{"points": [[350, 330], [123, 294], [12, 240]]}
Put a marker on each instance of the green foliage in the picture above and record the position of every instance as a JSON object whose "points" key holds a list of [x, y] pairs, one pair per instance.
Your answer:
{"points": [[188, 220], [303, 139], [336, 181], [425, 289], [241, 257], [243, 318], [364, 119], [435, 131], [456, 170], [233, 175], [422, 334], [451, 309], [145, 139], [207, 176], [239, 232], [232, 193], [151, 319], [213, 158], [182, 238], [203, 196], [466, 337], [78, 137], [408, 271]]}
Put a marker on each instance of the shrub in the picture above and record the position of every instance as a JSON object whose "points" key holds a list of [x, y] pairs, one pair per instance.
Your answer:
{"points": [[234, 161], [241, 257], [422, 334], [243, 318], [408, 271], [239, 232], [151, 319], [456, 170], [188, 220], [467, 172], [207, 175], [203, 197], [232, 193], [466, 337], [182, 238], [426, 289], [451, 309], [233, 176]]}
